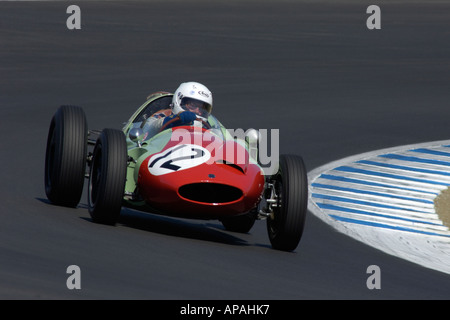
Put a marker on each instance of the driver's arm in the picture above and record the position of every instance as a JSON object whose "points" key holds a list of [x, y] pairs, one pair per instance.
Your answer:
{"points": [[183, 118]]}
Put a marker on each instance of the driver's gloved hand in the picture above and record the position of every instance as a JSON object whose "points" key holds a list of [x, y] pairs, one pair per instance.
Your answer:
{"points": [[187, 117]]}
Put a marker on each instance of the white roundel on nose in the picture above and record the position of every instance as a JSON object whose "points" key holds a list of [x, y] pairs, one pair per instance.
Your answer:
{"points": [[178, 158]]}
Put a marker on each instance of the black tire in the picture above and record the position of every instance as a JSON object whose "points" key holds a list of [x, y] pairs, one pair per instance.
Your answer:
{"points": [[107, 177], [65, 157], [241, 224], [285, 228]]}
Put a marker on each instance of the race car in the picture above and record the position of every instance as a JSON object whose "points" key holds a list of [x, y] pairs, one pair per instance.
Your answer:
{"points": [[195, 171]]}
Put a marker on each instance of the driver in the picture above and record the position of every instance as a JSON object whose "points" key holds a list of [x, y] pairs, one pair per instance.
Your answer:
{"points": [[191, 101]]}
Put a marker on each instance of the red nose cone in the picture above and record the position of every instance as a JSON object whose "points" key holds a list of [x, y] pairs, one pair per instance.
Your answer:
{"points": [[203, 180]]}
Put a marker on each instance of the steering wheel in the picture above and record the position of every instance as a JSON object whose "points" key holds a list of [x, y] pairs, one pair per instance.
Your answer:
{"points": [[205, 124]]}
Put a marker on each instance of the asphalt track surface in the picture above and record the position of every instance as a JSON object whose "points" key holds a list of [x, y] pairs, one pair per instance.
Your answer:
{"points": [[311, 69]]}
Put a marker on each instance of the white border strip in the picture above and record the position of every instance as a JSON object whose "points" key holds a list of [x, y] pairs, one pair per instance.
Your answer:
{"points": [[399, 220]]}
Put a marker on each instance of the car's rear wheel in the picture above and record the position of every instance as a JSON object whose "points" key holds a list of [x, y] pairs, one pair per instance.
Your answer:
{"points": [[65, 158], [285, 225], [107, 177], [242, 223]]}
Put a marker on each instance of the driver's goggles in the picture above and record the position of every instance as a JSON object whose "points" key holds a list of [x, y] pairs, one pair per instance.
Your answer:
{"points": [[193, 104]]}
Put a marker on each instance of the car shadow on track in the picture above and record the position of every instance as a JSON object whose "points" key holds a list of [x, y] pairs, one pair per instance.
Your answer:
{"points": [[205, 230], [177, 227]]}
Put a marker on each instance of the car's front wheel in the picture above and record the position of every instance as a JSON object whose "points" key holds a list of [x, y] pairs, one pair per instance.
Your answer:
{"points": [[286, 223], [107, 177]]}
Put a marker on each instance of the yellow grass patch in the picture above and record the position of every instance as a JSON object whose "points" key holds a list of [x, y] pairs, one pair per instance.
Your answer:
{"points": [[442, 206]]}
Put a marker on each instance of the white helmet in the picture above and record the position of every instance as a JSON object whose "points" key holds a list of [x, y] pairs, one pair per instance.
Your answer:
{"points": [[194, 97]]}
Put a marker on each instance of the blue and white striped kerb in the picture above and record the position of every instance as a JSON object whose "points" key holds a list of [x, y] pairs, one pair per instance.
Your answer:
{"points": [[386, 199]]}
